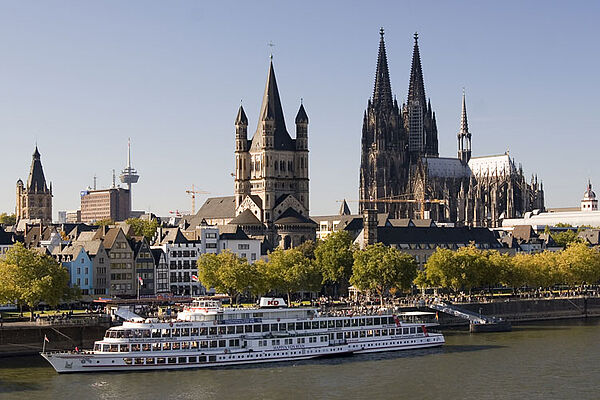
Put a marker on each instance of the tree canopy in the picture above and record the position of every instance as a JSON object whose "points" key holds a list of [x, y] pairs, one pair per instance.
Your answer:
{"points": [[8, 219], [142, 227], [334, 255], [28, 277], [380, 268], [289, 271]]}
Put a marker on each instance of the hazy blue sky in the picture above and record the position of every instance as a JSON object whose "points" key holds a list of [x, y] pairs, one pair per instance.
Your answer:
{"points": [[80, 77]]}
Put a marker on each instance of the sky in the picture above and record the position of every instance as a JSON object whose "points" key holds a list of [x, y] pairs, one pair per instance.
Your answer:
{"points": [[81, 77]]}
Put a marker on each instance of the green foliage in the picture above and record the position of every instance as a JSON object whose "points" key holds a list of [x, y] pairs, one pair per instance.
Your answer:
{"points": [[28, 277], [226, 273], [334, 255], [565, 238], [103, 222], [8, 219], [380, 268], [308, 249], [288, 271], [142, 227]]}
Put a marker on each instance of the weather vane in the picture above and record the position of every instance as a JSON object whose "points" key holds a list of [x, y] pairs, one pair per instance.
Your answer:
{"points": [[271, 45]]}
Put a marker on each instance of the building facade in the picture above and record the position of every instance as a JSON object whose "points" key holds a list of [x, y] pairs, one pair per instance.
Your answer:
{"points": [[34, 200], [402, 174], [144, 266], [112, 204]]}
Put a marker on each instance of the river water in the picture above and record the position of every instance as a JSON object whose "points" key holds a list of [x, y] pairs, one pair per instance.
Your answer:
{"points": [[554, 360]]}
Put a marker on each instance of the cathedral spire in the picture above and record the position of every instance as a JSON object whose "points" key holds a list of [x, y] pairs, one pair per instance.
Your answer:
{"points": [[464, 126], [36, 182], [416, 87], [382, 92], [464, 136]]}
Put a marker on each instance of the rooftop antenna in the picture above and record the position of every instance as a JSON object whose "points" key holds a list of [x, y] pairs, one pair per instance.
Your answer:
{"points": [[94, 181], [114, 180]]}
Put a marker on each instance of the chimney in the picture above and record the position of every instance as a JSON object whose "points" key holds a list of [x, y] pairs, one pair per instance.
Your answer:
{"points": [[370, 226]]}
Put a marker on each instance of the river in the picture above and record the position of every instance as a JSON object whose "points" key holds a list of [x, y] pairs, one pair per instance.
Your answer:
{"points": [[550, 360]]}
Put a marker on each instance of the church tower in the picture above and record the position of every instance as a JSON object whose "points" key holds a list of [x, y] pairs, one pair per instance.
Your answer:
{"points": [[383, 170], [464, 136], [34, 201], [419, 117], [271, 172]]}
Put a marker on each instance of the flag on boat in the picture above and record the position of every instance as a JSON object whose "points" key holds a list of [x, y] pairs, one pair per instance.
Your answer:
{"points": [[194, 278], [141, 280], [46, 339]]}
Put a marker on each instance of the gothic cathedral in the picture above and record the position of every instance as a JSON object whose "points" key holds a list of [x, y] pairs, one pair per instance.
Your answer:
{"points": [[34, 201], [402, 174]]}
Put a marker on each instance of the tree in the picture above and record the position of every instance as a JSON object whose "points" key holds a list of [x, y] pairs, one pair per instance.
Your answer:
{"points": [[226, 273], [28, 277], [103, 222], [142, 227], [289, 271], [8, 219], [564, 238], [381, 268], [580, 264], [335, 257]]}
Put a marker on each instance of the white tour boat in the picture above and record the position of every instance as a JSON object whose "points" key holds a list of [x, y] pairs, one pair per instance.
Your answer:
{"points": [[207, 335]]}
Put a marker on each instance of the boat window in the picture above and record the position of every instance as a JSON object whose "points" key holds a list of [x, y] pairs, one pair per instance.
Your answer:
{"points": [[257, 315], [361, 322], [146, 347], [191, 359], [212, 330], [377, 332], [307, 325], [166, 332], [127, 361], [135, 347], [376, 321], [175, 332], [204, 344], [298, 326], [347, 334], [282, 327], [172, 360], [248, 328], [363, 333], [156, 346], [107, 334], [256, 328], [175, 346], [291, 326], [213, 343], [155, 333], [166, 346], [346, 323], [369, 321], [202, 359], [114, 348], [185, 332], [392, 332], [230, 330], [354, 334], [212, 358], [239, 329], [340, 335], [331, 323], [405, 331], [222, 343], [323, 324], [315, 324], [370, 333], [139, 361], [146, 333], [354, 321], [275, 342], [413, 330], [97, 347], [185, 345], [384, 332], [194, 345], [338, 323], [391, 320], [234, 342], [265, 327], [222, 330], [149, 360], [274, 327], [160, 360], [203, 331], [182, 360], [137, 333], [195, 331]]}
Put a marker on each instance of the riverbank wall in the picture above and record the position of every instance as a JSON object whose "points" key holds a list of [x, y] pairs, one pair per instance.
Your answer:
{"points": [[18, 339], [527, 310]]}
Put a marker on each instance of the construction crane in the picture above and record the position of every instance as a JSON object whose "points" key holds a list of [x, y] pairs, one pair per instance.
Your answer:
{"points": [[396, 199], [193, 192]]}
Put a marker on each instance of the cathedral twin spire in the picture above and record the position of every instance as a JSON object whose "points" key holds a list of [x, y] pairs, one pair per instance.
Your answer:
{"points": [[382, 92]]}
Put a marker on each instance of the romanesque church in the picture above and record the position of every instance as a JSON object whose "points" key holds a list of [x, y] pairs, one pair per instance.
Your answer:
{"points": [[401, 173]]}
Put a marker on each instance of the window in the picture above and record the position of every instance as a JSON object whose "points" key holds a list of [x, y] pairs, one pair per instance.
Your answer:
{"points": [[211, 245], [243, 246]]}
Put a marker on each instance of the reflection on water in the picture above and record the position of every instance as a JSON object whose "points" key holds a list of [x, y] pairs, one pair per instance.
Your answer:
{"points": [[543, 360]]}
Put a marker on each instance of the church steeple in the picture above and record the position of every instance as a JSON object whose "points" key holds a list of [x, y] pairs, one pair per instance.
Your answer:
{"points": [[416, 87], [464, 136], [37, 182], [382, 92]]}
